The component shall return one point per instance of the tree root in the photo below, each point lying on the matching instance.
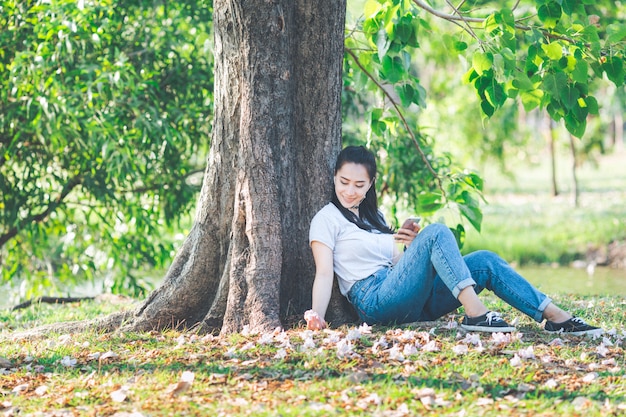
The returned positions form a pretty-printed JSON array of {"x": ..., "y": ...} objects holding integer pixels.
[
  {"x": 107, "y": 324},
  {"x": 50, "y": 300}
]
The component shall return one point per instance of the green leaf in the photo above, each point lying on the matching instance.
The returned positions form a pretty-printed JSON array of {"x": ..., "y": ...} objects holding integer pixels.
[
  {"x": 569, "y": 97},
  {"x": 555, "y": 110},
  {"x": 482, "y": 62},
  {"x": 403, "y": 30},
  {"x": 490, "y": 24},
  {"x": 581, "y": 72},
  {"x": 614, "y": 68},
  {"x": 406, "y": 93},
  {"x": 592, "y": 105},
  {"x": 474, "y": 180},
  {"x": 382, "y": 44},
  {"x": 554, "y": 83},
  {"x": 531, "y": 99},
  {"x": 495, "y": 94},
  {"x": 377, "y": 125},
  {"x": 590, "y": 35},
  {"x": 472, "y": 213},
  {"x": 487, "y": 108},
  {"x": 453, "y": 44},
  {"x": 410, "y": 94},
  {"x": 506, "y": 17},
  {"x": 550, "y": 13},
  {"x": 616, "y": 32},
  {"x": 459, "y": 235},
  {"x": 580, "y": 112},
  {"x": 429, "y": 202},
  {"x": 372, "y": 7},
  {"x": 470, "y": 76},
  {"x": 393, "y": 69},
  {"x": 553, "y": 50},
  {"x": 573, "y": 6},
  {"x": 460, "y": 46},
  {"x": 522, "y": 82},
  {"x": 574, "y": 125},
  {"x": 509, "y": 58}
]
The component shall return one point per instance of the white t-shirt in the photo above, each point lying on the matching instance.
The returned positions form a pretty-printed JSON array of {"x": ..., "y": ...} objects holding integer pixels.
[{"x": 357, "y": 253}]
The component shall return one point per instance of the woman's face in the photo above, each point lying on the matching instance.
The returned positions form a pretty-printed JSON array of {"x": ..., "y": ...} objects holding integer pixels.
[{"x": 351, "y": 184}]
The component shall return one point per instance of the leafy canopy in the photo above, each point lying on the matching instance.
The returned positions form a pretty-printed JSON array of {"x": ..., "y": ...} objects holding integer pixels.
[
  {"x": 103, "y": 109},
  {"x": 546, "y": 54},
  {"x": 105, "y": 113}
]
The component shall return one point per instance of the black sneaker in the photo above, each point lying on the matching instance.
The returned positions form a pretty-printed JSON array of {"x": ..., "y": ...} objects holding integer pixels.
[
  {"x": 489, "y": 322},
  {"x": 574, "y": 326}
]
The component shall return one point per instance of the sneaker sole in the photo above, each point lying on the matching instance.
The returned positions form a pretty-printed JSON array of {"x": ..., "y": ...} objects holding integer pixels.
[
  {"x": 484, "y": 329},
  {"x": 594, "y": 332}
]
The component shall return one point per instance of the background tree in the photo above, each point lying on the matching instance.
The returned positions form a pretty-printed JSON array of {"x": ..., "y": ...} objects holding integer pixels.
[
  {"x": 277, "y": 129},
  {"x": 104, "y": 109}
]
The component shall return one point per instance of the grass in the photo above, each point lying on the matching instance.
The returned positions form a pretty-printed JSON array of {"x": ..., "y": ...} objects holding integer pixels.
[
  {"x": 422, "y": 370},
  {"x": 525, "y": 224}
]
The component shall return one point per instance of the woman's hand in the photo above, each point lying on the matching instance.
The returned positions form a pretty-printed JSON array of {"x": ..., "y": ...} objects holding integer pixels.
[
  {"x": 314, "y": 321},
  {"x": 406, "y": 235}
]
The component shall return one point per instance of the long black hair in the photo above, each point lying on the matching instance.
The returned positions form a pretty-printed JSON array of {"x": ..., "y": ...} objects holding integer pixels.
[{"x": 369, "y": 217}]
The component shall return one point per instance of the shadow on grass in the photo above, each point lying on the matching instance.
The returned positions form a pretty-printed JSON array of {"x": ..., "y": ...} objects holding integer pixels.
[{"x": 231, "y": 376}]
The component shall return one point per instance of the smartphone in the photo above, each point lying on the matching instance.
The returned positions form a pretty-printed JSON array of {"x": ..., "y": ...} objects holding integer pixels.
[{"x": 409, "y": 223}]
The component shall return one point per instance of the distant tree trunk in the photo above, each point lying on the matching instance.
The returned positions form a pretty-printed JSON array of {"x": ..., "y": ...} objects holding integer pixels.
[
  {"x": 618, "y": 130},
  {"x": 572, "y": 145},
  {"x": 278, "y": 80},
  {"x": 552, "y": 146}
]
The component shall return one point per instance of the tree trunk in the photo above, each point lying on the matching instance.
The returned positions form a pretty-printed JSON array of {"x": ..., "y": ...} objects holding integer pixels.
[
  {"x": 572, "y": 146},
  {"x": 552, "y": 145},
  {"x": 618, "y": 130},
  {"x": 277, "y": 131}
]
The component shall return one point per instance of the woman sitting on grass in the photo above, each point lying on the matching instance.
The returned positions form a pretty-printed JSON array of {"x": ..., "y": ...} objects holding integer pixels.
[{"x": 350, "y": 238}]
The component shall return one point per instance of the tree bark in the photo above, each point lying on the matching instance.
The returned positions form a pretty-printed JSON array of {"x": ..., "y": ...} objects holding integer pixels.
[
  {"x": 277, "y": 131},
  {"x": 572, "y": 147},
  {"x": 552, "y": 145}
]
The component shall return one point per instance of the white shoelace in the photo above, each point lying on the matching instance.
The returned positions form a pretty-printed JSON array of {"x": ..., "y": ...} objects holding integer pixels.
[{"x": 494, "y": 316}]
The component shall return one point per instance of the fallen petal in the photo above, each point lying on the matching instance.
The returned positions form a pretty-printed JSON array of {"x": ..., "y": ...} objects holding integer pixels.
[
  {"x": 551, "y": 383},
  {"x": 178, "y": 388},
  {"x": 120, "y": 395},
  {"x": 187, "y": 376},
  {"x": 515, "y": 361},
  {"x": 109, "y": 355},
  {"x": 484, "y": 401},
  {"x": 20, "y": 388},
  {"x": 460, "y": 349},
  {"x": 590, "y": 377},
  {"x": 556, "y": 342}
]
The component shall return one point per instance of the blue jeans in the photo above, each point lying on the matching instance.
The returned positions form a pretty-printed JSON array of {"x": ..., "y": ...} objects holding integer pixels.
[{"x": 425, "y": 283}]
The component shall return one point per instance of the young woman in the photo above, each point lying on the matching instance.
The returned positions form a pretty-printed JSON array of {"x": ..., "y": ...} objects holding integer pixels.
[{"x": 350, "y": 238}]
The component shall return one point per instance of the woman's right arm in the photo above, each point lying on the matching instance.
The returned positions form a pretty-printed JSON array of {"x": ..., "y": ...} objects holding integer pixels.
[{"x": 323, "y": 284}]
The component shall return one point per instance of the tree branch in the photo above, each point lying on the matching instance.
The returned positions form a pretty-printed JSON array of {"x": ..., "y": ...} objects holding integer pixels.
[
  {"x": 464, "y": 19},
  {"x": 445, "y": 16},
  {"x": 158, "y": 186},
  {"x": 73, "y": 183},
  {"x": 455, "y": 19},
  {"x": 50, "y": 300},
  {"x": 404, "y": 122}
]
